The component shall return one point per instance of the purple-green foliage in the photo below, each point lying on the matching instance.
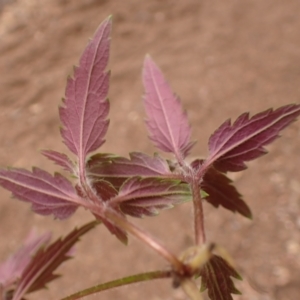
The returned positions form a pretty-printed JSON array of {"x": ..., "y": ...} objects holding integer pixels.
[{"x": 112, "y": 187}]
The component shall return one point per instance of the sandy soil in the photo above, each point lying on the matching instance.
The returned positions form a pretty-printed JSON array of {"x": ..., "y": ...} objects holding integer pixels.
[{"x": 222, "y": 58}]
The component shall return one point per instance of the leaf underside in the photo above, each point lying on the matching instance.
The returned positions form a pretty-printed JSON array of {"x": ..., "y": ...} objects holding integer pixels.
[
  {"x": 119, "y": 233},
  {"x": 117, "y": 170},
  {"x": 106, "y": 191},
  {"x": 85, "y": 109},
  {"x": 137, "y": 186},
  {"x": 12, "y": 269},
  {"x": 167, "y": 123},
  {"x": 40, "y": 270},
  {"x": 215, "y": 276},
  {"x": 221, "y": 192},
  {"x": 60, "y": 159},
  {"x": 146, "y": 196},
  {"x": 230, "y": 146},
  {"x": 48, "y": 194}
]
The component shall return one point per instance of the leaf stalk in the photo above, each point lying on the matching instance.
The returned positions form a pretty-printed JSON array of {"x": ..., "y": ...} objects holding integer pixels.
[
  {"x": 198, "y": 213},
  {"x": 118, "y": 220}
]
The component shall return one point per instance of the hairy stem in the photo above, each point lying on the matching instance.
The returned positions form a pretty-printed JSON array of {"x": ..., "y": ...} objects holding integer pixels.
[
  {"x": 120, "y": 282},
  {"x": 124, "y": 224},
  {"x": 180, "y": 159},
  {"x": 198, "y": 213},
  {"x": 118, "y": 220}
]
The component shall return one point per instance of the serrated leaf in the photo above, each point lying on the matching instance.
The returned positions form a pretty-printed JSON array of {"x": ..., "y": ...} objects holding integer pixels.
[
  {"x": 60, "y": 159},
  {"x": 85, "y": 109},
  {"x": 116, "y": 169},
  {"x": 220, "y": 191},
  {"x": 215, "y": 276},
  {"x": 146, "y": 196},
  {"x": 105, "y": 190},
  {"x": 12, "y": 269},
  {"x": 120, "y": 234},
  {"x": 231, "y": 146},
  {"x": 40, "y": 270},
  {"x": 138, "y": 212},
  {"x": 48, "y": 194},
  {"x": 166, "y": 122}
]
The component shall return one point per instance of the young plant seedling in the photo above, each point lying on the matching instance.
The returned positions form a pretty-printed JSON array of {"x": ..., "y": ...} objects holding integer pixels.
[{"x": 113, "y": 187}]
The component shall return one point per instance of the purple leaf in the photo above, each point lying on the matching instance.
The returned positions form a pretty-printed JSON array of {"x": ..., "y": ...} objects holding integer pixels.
[
  {"x": 232, "y": 145},
  {"x": 221, "y": 191},
  {"x": 104, "y": 189},
  {"x": 139, "y": 212},
  {"x": 145, "y": 196},
  {"x": 215, "y": 275},
  {"x": 120, "y": 234},
  {"x": 117, "y": 169},
  {"x": 85, "y": 110},
  {"x": 60, "y": 159},
  {"x": 12, "y": 269},
  {"x": 40, "y": 270},
  {"x": 48, "y": 194},
  {"x": 167, "y": 123}
]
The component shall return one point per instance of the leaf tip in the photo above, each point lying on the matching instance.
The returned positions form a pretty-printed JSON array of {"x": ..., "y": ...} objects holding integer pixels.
[
  {"x": 249, "y": 215},
  {"x": 148, "y": 60}
]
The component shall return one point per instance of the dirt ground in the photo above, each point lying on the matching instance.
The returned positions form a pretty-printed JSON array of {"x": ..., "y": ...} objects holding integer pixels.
[{"x": 223, "y": 58}]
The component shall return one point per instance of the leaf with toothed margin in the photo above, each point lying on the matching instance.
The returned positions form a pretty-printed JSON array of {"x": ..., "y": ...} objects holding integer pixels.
[
  {"x": 146, "y": 196},
  {"x": 48, "y": 194},
  {"x": 116, "y": 169},
  {"x": 215, "y": 276},
  {"x": 220, "y": 191},
  {"x": 231, "y": 146},
  {"x": 60, "y": 159},
  {"x": 119, "y": 233},
  {"x": 139, "y": 212},
  {"x": 13, "y": 268},
  {"x": 167, "y": 123},
  {"x": 39, "y": 271},
  {"x": 85, "y": 109},
  {"x": 104, "y": 189}
]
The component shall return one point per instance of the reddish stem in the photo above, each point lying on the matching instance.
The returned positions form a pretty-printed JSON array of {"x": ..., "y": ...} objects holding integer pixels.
[
  {"x": 121, "y": 222},
  {"x": 124, "y": 224}
]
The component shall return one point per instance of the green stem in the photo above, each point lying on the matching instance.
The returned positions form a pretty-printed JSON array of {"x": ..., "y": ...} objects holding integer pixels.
[{"x": 119, "y": 282}]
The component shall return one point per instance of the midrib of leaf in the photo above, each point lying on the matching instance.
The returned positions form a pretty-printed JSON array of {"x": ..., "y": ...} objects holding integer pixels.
[
  {"x": 22, "y": 289},
  {"x": 67, "y": 197},
  {"x": 81, "y": 154},
  {"x": 147, "y": 167},
  {"x": 215, "y": 280},
  {"x": 129, "y": 197},
  {"x": 248, "y": 137},
  {"x": 165, "y": 115}
]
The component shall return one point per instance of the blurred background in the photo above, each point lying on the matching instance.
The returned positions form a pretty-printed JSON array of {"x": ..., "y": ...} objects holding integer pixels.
[{"x": 222, "y": 58}]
